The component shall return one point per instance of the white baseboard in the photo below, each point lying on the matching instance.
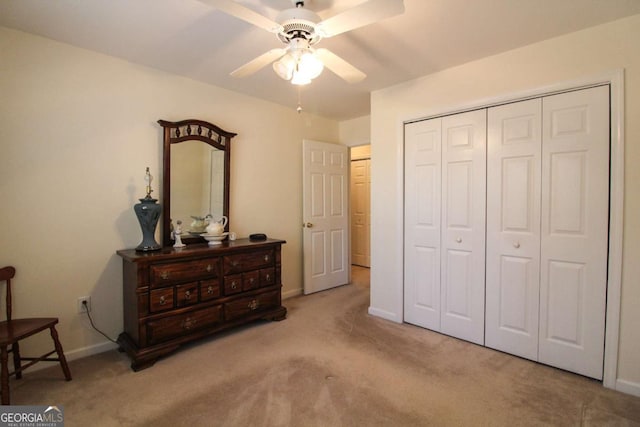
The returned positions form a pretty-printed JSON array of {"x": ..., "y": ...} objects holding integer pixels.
[
  {"x": 628, "y": 387},
  {"x": 384, "y": 314},
  {"x": 79, "y": 354},
  {"x": 292, "y": 293}
]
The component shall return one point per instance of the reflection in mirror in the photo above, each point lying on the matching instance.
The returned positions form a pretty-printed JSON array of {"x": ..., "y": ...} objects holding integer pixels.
[{"x": 197, "y": 182}]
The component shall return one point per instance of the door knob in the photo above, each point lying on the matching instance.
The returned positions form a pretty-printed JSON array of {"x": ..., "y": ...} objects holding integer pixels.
[
  {"x": 516, "y": 245},
  {"x": 459, "y": 240},
  {"x": 307, "y": 224}
]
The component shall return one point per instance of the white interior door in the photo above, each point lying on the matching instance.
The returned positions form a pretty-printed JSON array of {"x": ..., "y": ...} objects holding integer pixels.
[
  {"x": 360, "y": 208},
  {"x": 445, "y": 169},
  {"x": 463, "y": 225},
  {"x": 575, "y": 209},
  {"x": 514, "y": 149},
  {"x": 422, "y": 194},
  {"x": 325, "y": 214}
]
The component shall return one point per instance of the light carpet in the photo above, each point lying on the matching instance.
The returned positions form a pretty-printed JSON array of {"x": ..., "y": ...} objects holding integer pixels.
[{"x": 328, "y": 364}]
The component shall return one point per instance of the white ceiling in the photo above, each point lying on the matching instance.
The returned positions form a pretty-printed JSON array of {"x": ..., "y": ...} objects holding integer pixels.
[{"x": 190, "y": 38}]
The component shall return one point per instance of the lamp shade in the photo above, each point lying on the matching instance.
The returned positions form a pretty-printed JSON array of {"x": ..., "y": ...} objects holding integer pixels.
[
  {"x": 300, "y": 79},
  {"x": 299, "y": 65},
  {"x": 310, "y": 65},
  {"x": 284, "y": 66}
]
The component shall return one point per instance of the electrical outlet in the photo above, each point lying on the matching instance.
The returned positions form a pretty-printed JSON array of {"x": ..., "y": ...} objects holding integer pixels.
[{"x": 81, "y": 305}]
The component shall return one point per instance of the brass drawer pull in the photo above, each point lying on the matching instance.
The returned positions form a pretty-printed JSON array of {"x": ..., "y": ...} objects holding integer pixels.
[
  {"x": 187, "y": 295},
  {"x": 163, "y": 301},
  {"x": 253, "y": 305},
  {"x": 268, "y": 277},
  {"x": 164, "y": 275},
  {"x": 210, "y": 290},
  {"x": 209, "y": 268},
  {"x": 266, "y": 258},
  {"x": 189, "y": 323},
  {"x": 234, "y": 285},
  {"x": 251, "y": 280}
]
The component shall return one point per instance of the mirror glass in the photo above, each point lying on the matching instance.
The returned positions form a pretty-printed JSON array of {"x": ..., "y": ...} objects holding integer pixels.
[{"x": 197, "y": 183}]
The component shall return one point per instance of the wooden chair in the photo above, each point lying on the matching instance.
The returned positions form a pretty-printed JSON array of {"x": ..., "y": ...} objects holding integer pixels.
[{"x": 14, "y": 330}]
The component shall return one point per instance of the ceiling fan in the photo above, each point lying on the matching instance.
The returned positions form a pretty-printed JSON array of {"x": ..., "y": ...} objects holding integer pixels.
[{"x": 300, "y": 29}]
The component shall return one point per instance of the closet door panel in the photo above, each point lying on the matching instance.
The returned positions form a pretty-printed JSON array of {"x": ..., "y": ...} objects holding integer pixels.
[
  {"x": 463, "y": 225},
  {"x": 422, "y": 223},
  {"x": 513, "y": 227},
  {"x": 575, "y": 202}
]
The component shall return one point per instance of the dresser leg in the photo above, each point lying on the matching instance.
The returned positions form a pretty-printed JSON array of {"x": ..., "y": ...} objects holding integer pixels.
[
  {"x": 139, "y": 366},
  {"x": 279, "y": 315}
]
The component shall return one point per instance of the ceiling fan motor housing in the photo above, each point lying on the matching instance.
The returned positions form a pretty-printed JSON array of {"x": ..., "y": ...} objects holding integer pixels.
[{"x": 298, "y": 23}]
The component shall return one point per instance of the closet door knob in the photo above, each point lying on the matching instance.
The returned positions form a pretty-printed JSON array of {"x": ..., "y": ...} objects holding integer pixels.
[
  {"x": 516, "y": 245},
  {"x": 459, "y": 240}
]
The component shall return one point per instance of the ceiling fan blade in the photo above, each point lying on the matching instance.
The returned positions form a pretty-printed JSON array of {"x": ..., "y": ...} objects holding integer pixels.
[
  {"x": 258, "y": 63},
  {"x": 232, "y": 8},
  {"x": 363, "y": 14},
  {"x": 339, "y": 66}
]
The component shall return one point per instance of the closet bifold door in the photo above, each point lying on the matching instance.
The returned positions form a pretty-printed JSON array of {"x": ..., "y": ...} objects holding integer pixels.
[
  {"x": 574, "y": 244},
  {"x": 422, "y": 194},
  {"x": 547, "y": 229},
  {"x": 514, "y": 149},
  {"x": 445, "y": 184},
  {"x": 462, "y": 280}
]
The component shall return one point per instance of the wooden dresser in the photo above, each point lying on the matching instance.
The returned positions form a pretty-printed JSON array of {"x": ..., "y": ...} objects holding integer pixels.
[{"x": 174, "y": 296}]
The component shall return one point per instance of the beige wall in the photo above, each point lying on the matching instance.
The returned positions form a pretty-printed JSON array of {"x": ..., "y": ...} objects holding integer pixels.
[
  {"x": 356, "y": 131},
  {"x": 77, "y": 130},
  {"x": 575, "y": 56}
]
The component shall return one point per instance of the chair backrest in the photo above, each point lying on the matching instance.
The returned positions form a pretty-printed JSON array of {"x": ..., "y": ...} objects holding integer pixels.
[{"x": 6, "y": 274}]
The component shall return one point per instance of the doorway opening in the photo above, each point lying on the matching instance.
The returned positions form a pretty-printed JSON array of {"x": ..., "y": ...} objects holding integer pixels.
[{"x": 360, "y": 212}]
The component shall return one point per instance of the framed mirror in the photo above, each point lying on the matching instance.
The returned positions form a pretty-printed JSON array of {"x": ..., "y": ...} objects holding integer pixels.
[{"x": 196, "y": 162}]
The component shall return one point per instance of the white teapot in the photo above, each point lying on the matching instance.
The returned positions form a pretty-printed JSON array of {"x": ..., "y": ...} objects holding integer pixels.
[{"x": 216, "y": 228}]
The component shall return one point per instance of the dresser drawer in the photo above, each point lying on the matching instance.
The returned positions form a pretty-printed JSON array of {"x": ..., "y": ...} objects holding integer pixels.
[
  {"x": 232, "y": 284},
  {"x": 256, "y": 303},
  {"x": 163, "y": 274},
  {"x": 161, "y": 299},
  {"x": 251, "y": 261},
  {"x": 177, "y": 325},
  {"x": 267, "y": 276},
  {"x": 186, "y": 294},
  {"x": 250, "y": 280},
  {"x": 209, "y": 289}
]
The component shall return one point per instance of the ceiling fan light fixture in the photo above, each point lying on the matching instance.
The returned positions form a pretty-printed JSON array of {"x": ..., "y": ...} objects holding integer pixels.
[
  {"x": 310, "y": 65},
  {"x": 299, "y": 65},
  {"x": 285, "y": 66},
  {"x": 300, "y": 79}
]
